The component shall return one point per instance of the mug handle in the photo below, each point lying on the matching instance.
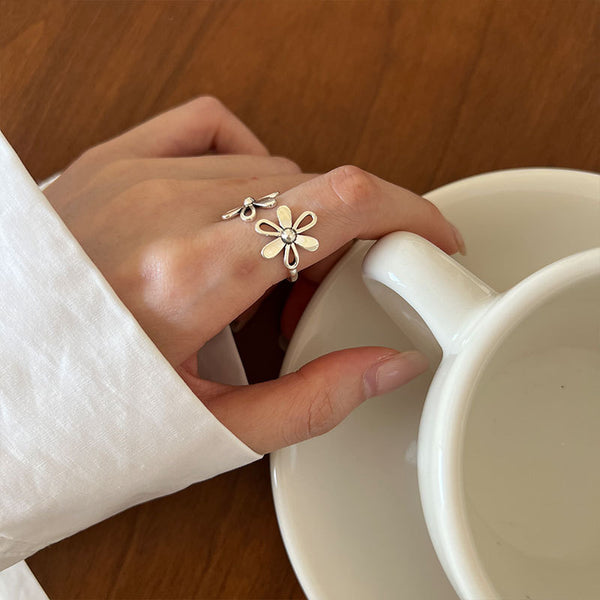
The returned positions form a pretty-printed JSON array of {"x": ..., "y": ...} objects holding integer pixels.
[{"x": 433, "y": 298}]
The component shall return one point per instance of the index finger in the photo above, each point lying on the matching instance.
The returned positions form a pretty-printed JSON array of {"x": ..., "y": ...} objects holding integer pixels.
[
  {"x": 349, "y": 203},
  {"x": 225, "y": 259}
]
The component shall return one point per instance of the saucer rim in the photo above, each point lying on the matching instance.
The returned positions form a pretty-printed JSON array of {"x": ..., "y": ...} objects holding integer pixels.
[{"x": 437, "y": 196}]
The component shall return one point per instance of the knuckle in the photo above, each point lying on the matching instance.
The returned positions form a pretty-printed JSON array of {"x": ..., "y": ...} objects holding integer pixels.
[
  {"x": 156, "y": 266},
  {"x": 157, "y": 276},
  {"x": 91, "y": 155},
  {"x": 210, "y": 103},
  {"x": 353, "y": 187}
]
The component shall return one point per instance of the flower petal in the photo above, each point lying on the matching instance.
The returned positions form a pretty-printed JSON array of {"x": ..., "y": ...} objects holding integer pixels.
[
  {"x": 231, "y": 213},
  {"x": 267, "y": 201},
  {"x": 272, "y": 248},
  {"x": 276, "y": 230},
  {"x": 284, "y": 214},
  {"x": 286, "y": 257},
  {"x": 307, "y": 242},
  {"x": 248, "y": 213},
  {"x": 311, "y": 223}
]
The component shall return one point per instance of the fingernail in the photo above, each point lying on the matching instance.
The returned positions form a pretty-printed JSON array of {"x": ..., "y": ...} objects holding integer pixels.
[
  {"x": 458, "y": 238},
  {"x": 393, "y": 372}
]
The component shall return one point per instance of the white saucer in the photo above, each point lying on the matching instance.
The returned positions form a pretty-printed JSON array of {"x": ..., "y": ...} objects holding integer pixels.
[{"x": 348, "y": 503}]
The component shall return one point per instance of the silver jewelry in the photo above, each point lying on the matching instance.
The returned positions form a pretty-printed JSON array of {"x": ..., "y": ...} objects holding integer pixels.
[
  {"x": 288, "y": 237},
  {"x": 247, "y": 211}
]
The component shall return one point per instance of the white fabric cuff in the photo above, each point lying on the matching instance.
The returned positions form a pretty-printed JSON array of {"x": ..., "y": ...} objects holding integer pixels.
[{"x": 93, "y": 419}]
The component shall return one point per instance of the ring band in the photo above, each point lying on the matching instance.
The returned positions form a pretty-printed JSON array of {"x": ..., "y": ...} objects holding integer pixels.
[
  {"x": 247, "y": 211},
  {"x": 288, "y": 237}
]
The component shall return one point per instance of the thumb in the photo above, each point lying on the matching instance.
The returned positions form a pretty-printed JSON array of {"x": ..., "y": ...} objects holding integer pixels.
[{"x": 312, "y": 400}]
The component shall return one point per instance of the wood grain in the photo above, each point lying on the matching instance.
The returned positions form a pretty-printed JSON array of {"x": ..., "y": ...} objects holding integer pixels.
[{"x": 418, "y": 92}]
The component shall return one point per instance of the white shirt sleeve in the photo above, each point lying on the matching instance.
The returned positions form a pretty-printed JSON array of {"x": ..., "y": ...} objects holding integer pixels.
[{"x": 93, "y": 419}]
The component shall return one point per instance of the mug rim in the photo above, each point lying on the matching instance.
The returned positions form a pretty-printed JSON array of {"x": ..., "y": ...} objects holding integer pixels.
[
  {"x": 448, "y": 403},
  {"x": 563, "y": 179}
]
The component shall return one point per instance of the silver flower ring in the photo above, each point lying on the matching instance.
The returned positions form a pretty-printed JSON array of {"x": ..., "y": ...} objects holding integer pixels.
[
  {"x": 288, "y": 237},
  {"x": 247, "y": 211}
]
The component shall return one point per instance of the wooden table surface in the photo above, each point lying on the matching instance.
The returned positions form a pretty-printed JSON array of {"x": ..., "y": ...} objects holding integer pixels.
[{"x": 419, "y": 92}]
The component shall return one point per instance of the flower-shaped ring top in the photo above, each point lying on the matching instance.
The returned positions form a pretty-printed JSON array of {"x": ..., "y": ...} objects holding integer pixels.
[
  {"x": 288, "y": 237},
  {"x": 247, "y": 211}
]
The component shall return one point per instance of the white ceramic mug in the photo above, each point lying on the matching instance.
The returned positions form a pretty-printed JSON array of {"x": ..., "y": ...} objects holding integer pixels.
[{"x": 509, "y": 441}]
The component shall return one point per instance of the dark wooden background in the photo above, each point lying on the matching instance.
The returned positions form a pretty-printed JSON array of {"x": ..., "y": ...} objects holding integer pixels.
[{"x": 419, "y": 92}]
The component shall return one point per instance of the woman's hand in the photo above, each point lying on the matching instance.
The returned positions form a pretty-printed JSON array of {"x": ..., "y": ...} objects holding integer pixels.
[{"x": 146, "y": 207}]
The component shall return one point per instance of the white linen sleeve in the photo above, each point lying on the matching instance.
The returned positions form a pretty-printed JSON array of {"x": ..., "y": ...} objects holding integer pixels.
[{"x": 93, "y": 419}]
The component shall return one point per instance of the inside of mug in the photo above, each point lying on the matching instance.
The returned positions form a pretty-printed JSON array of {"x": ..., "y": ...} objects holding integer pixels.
[{"x": 531, "y": 453}]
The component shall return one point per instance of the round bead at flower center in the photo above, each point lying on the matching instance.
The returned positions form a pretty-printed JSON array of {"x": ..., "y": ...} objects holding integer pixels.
[{"x": 288, "y": 235}]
